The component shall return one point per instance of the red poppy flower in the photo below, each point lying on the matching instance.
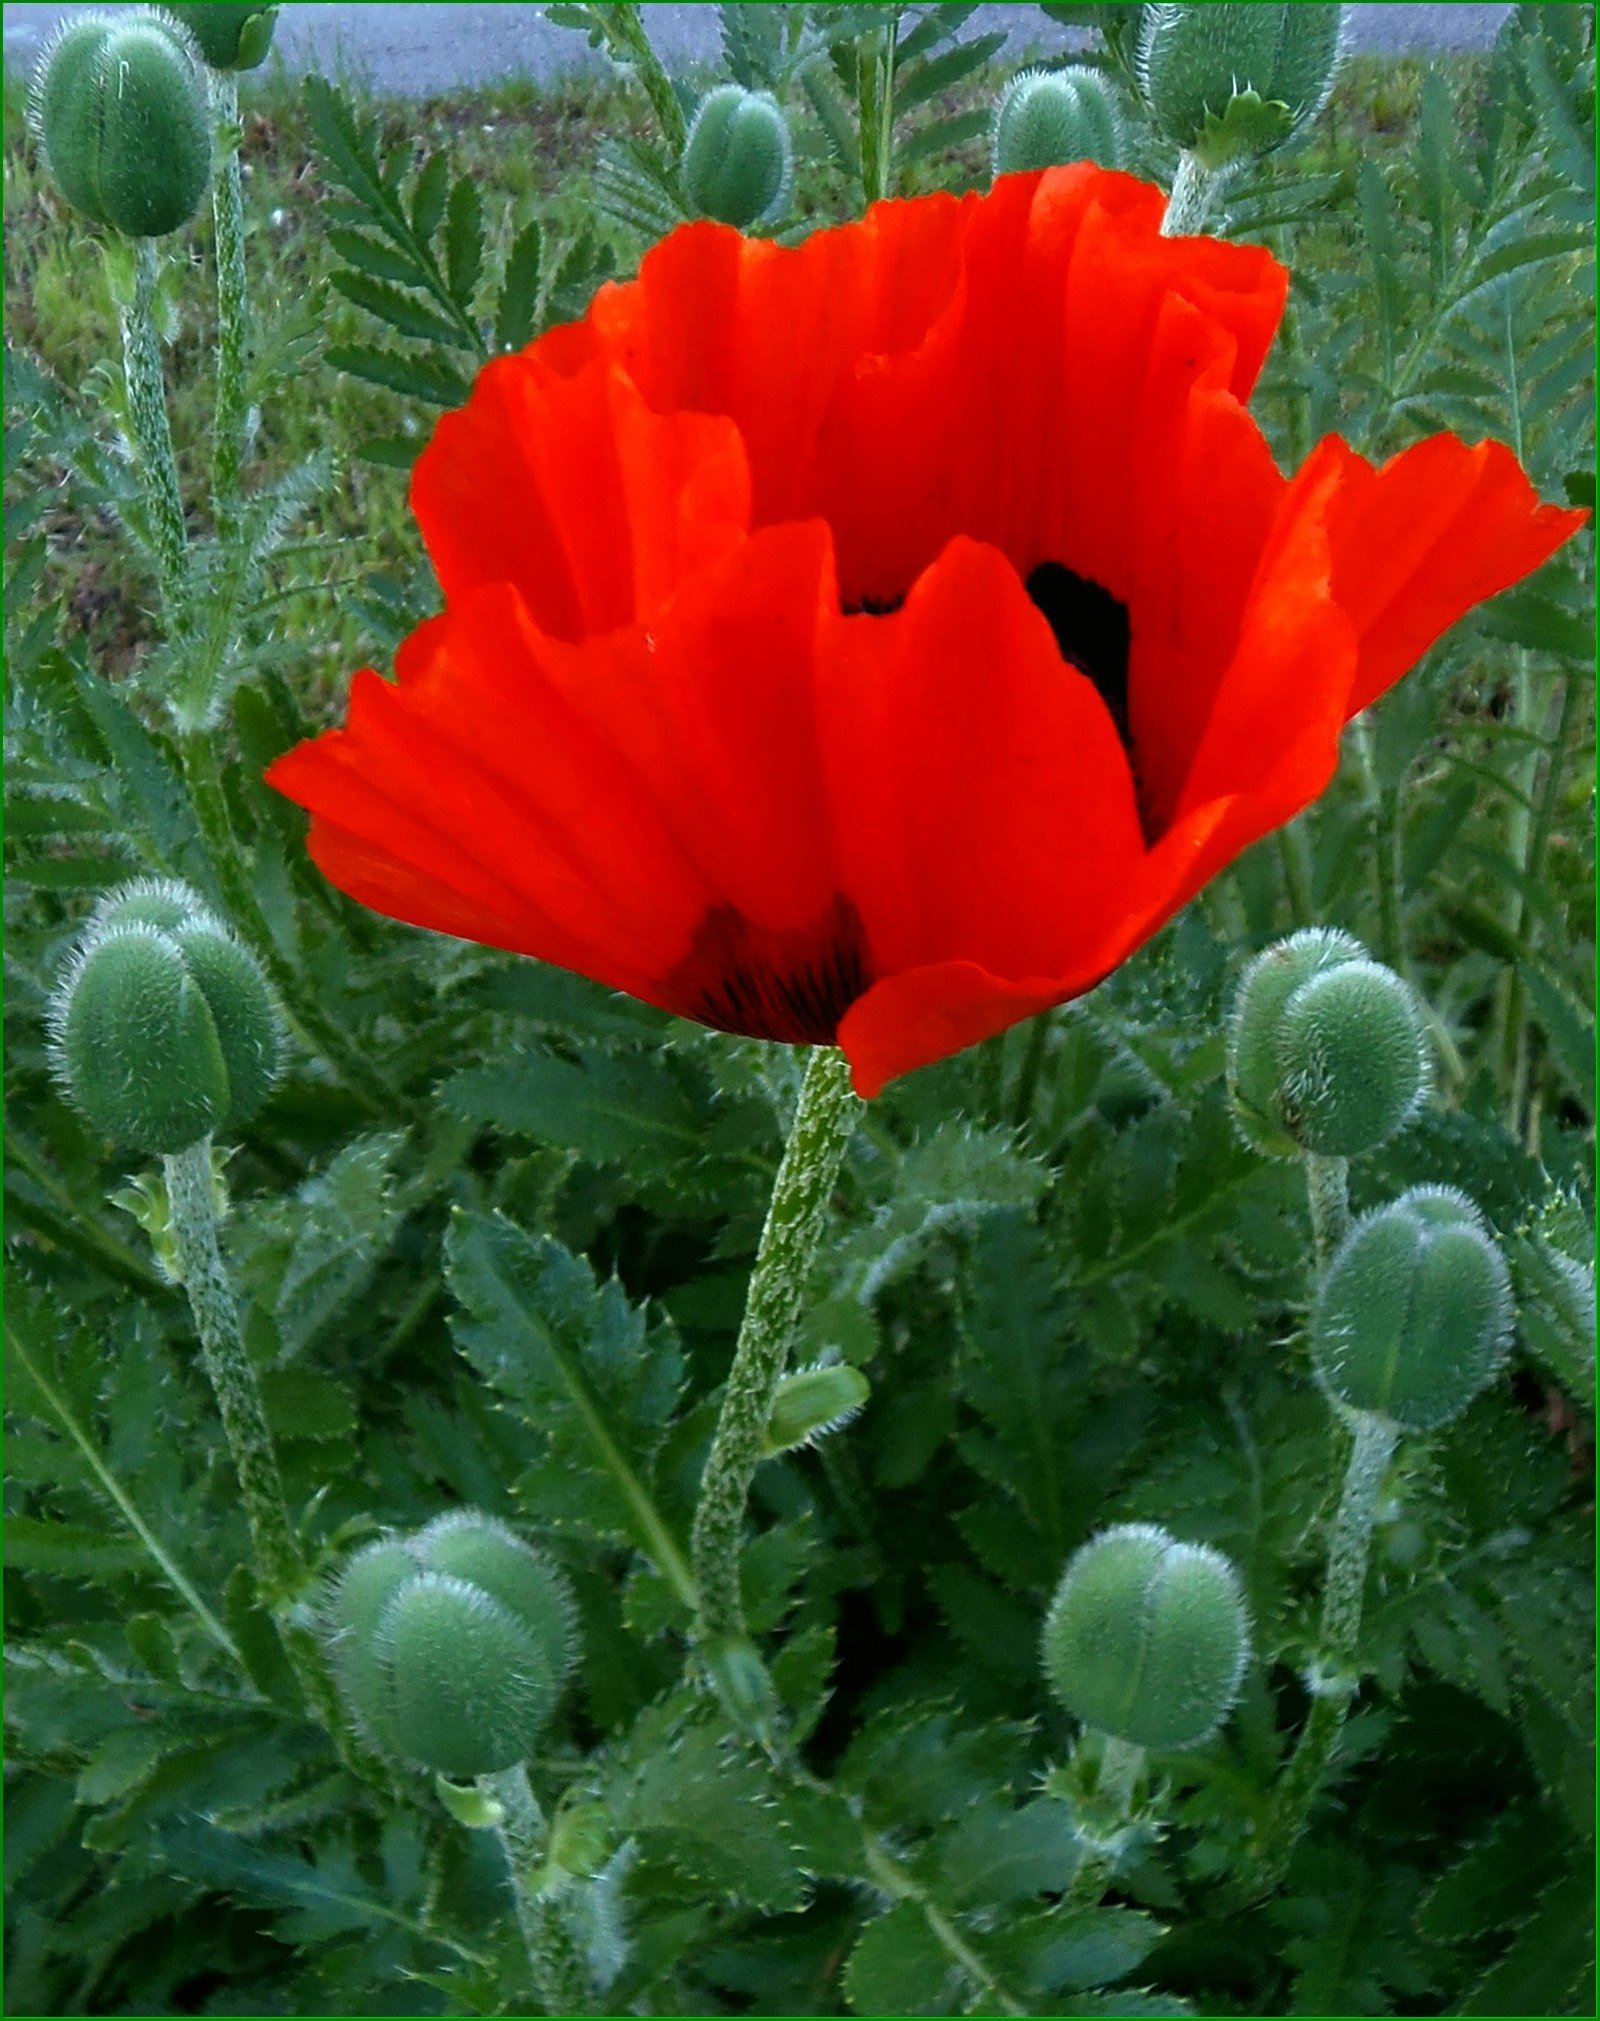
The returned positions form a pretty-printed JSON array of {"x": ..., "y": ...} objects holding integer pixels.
[{"x": 875, "y": 640}]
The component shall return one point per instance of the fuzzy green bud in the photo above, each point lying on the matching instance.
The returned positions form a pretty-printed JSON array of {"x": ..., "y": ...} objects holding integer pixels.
[
  {"x": 1048, "y": 116},
  {"x": 737, "y": 159},
  {"x": 232, "y": 34},
  {"x": 1147, "y": 1638},
  {"x": 491, "y": 1555},
  {"x": 1351, "y": 1055},
  {"x": 120, "y": 114},
  {"x": 1413, "y": 1316},
  {"x": 812, "y": 1402},
  {"x": 164, "y": 1029},
  {"x": 1228, "y": 82},
  {"x": 1326, "y": 1051},
  {"x": 368, "y": 1582},
  {"x": 451, "y": 1647}
]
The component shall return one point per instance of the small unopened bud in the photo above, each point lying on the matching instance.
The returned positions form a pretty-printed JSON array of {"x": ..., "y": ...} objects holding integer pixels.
[
  {"x": 456, "y": 1672},
  {"x": 1326, "y": 1051},
  {"x": 736, "y": 160},
  {"x": 1413, "y": 1316},
  {"x": 1050, "y": 116},
  {"x": 1147, "y": 1638},
  {"x": 491, "y": 1555},
  {"x": 1228, "y": 82},
  {"x": 164, "y": 1029},
  {"x": 740, "y": 1680},
  {"x": 812, "y": 1402},
  {"x": 232, "y": 34},
  {"x": 1353, "y": 1064},
  {"x": 120, "y": 114}
]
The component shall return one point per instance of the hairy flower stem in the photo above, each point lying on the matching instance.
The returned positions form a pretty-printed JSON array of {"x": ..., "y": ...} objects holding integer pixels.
[
  {"x": 1331, "y": 1678},
  {"x": 1194, "y": 189},
  {"x": 191, "y": 1198},
  {"x": 154, "y": 459},
  {"x": 795, "y": 1220},
  {"x": 559, "y": 1977},
  {"x": 1327, "y": 1189},
  {"x": 231, "y": 426},
  {"x": 280, "y": 1566}
]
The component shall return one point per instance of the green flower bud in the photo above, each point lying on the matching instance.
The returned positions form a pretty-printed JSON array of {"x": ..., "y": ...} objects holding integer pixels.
[
  {"x": 232, "y": 34},
  {"x": 1050, "y": 116},
  {"x": 811, "y": 1402},
  {"x": 741, "y": 1682},
  {"x": 475, "y": 1547},
  {"x": 467, "y": 1687},
  {"x": 120, "y": 113},
  {"x": 355, "y": 1605},
  {"x": 1352, "y": 1060},
  {"x": 163, "y": 1034},
  {"x": 736, "y": 160},
  {"x": 148, "y": 901},
  {"x": 1413, "y": 1316},
  {"x": 1230, "y": 81},
  {"x": 1325, "y": 1049},
  {"x": 456, "y": 1670},
  {"x": 1147, "y": 1638}
]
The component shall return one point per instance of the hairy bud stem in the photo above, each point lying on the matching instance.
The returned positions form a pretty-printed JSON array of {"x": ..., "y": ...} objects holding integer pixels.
[{"x": 794, "y": 1225}]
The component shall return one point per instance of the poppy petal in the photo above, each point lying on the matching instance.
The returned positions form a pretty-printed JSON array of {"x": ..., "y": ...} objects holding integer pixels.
[
  {"x": 1018, "y": 420},
  {"x": 712, "y": 708},
  {"x": 475, "y": 771},
  {"x": 722, "y": 324},
  {"x": 982, "y": 802},
  {"x": 1422, "y": 539},
  {"x": 593, "y": 505},
  {"x": 925, "y": 1014}
]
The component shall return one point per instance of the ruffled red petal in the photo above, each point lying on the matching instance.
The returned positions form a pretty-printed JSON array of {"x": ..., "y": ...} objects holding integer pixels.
[
  {"x": 651, "y": 744},
  {"x": 592, "y": 504},
  {"x": 982, "y": 804}
]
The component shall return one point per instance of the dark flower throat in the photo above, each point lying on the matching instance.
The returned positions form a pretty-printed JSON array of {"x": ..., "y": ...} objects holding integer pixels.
[{"x": 796, "y": 986}]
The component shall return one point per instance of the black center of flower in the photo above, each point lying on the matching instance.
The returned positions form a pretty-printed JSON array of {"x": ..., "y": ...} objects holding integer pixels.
[
  {"x": 1091, "y": 631},
  {"x": 873, "y": 606},
  {"x": 767, "y": 984}
]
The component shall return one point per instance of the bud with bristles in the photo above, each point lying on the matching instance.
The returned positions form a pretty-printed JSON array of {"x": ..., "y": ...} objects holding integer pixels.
[
  {"x": 1228, "y": 82},
  {"x": 1045, "y": 117},
  {"x": 1413, "y": 1316},
  {"x": 736, "y": 160},
  {"x": 451, "y": 1647},
  {"x": 164, "y": 1029},
  {"x": 1326, "y": 1052},
  {"x": 120, "y": 113},
  {"x": 1147, "y": 1638}
]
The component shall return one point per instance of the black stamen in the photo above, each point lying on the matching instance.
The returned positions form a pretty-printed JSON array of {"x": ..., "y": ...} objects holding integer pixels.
[
  {"x": 873, "y": 606},
  {"x": 1091, "y": 629},
  {"x": 795, "y": 986}
]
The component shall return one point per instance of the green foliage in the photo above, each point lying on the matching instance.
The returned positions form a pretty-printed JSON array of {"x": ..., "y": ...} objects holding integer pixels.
[
  {"x": 413, "y": 248},
  {"x": 509, "y": 1275}
]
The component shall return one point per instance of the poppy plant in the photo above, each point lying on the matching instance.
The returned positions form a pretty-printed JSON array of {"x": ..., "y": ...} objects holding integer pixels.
[{"x": 874, "y": 640}]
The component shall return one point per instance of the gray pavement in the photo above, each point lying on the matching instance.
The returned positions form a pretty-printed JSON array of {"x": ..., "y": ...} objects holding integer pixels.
[{"x": 419, "y": 49}]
